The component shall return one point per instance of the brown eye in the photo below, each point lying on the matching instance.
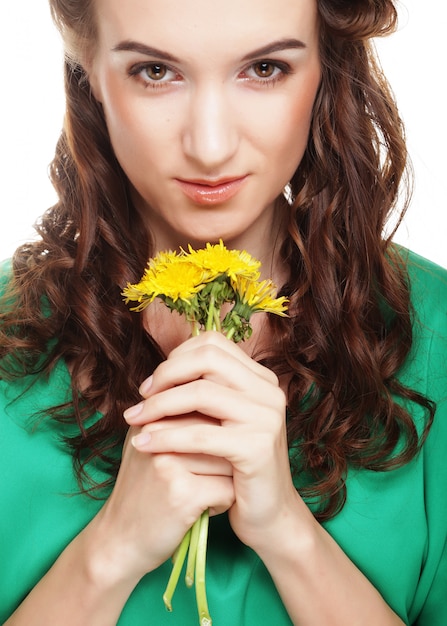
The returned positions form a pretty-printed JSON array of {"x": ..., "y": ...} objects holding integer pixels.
[
  {"x": 264, "y": 69},
  {"x": 155, "y": 71}
]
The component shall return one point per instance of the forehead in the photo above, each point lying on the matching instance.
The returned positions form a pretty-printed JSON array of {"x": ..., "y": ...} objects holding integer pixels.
[{"x": 205, "y": 25}]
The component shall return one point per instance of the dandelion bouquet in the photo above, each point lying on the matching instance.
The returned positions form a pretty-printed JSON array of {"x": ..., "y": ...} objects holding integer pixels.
[{"x": 197, "y": 284}]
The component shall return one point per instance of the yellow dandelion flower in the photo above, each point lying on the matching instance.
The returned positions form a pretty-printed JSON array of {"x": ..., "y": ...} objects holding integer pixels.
[
  {"x": 259, "y": 296},
  {"x": 217, "y": 259},
  {"x": 167, "y": 257},
  {"x": 179, "y": 281},
  {"x": 168, "y": 276}
]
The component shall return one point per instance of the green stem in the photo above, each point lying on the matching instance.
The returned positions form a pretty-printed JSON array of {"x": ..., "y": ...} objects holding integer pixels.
[
  {"x": 230, "y": 333},
  {"x": 175, "y": 555},
  {"x": 192, "y": 553},
  {"x": 216, "y": 321},
  {"x": 196, "y": 538},
  {"x": 211, "y": 311},
  {"x": 176, "y": 569},
  {"x": 202, "y": 603}
]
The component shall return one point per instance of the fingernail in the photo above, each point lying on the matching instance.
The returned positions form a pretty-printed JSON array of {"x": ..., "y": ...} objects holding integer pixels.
[
  {"x": 141, "y": 440},
  {"x": 133, "y": 411},
  {"x": 145, "y": 386}
]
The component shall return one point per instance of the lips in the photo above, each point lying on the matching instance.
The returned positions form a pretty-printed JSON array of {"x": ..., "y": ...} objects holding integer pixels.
[{"x": 211, "y": 191}]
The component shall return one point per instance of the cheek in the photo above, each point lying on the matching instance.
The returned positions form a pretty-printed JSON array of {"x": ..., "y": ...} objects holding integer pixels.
[
  {"x": 286, "y": 144},
  {"x": 136, "y": 134},
  {"x": 118, "y": 113},
  {"x": 128, "y": 120},
  {"x": 295, "y": 129},
  {"x": 289, "y": 139}
]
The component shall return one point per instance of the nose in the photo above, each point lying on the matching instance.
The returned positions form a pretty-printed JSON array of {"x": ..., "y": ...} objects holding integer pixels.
[{"x": 211, "y": 136}]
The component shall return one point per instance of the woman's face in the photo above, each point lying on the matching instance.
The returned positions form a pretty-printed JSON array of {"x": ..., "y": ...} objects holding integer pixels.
[{"x": 208, "y": 105}]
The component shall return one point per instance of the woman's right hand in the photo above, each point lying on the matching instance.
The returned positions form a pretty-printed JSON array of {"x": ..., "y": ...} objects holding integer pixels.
[{"x": 155, "y": 500}]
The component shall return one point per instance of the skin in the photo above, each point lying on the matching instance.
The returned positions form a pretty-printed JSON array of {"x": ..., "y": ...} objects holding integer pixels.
[
  {"x": 210, "y": 430},
  {"x": 212, "y": 113}
]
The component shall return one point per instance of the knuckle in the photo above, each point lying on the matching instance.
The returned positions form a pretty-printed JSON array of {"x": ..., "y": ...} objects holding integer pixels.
[
  {"x": 209, "y": 353},
  {"x": 201, "y": 391},
  {"x": 210, "y": 338},
  {"x": 164, "y": 465},
  {"x": 179, "y": 494}
]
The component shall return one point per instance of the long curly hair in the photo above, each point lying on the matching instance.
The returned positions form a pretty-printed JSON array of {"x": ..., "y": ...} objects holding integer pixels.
[{"x": 350, "y": 324}]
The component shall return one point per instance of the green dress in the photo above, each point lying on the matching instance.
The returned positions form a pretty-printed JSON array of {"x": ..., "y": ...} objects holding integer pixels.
[{"x": 393, "y": 526}]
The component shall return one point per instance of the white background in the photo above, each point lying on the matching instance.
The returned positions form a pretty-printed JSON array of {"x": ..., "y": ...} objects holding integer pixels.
[{"x": 32, "y": 106}]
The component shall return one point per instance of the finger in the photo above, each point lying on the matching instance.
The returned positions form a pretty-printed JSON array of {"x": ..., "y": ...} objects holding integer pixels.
[
  {"x": 209, "y": 399},
  {"x": 185, "y": 490},
  {"x": 199, "y": 464},
  {"x": 207, "y": 465},
  {"x": 194, "y": 463},
  {"x": 211, "y": 356},
  {"x": 175, "y": 422},
  {"x": 252, "y": 447},
  {"x": 215, "y": 493}
]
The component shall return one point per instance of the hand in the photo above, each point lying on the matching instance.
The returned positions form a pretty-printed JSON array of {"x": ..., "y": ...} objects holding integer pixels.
[
  {"x": 211, "y": 376},
  {"x": 156, "y": 499}
]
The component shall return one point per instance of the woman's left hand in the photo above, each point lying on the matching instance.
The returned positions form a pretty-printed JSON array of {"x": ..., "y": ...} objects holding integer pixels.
[{"x": 211, "y": 376}]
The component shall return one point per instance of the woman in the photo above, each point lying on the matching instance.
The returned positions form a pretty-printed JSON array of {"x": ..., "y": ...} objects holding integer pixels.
[{"x": 185, "y": 121}]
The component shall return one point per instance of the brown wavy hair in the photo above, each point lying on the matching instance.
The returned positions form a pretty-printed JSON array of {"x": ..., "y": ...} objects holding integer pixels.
[{"x": 350, "y": 324}]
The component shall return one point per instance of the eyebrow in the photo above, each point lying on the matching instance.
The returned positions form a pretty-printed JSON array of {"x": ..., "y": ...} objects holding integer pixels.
[
  {"x": 134, "y": 46},
  {"x": 276, "y": 46}
]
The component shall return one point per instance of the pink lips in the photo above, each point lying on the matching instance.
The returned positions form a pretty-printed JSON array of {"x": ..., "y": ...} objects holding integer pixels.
[{"x": 211, "y": 192}]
